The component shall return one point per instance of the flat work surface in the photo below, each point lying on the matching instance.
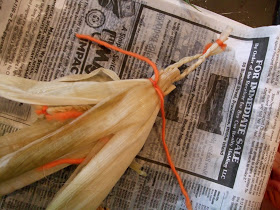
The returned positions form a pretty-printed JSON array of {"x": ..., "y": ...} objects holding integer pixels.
[{"x": 254, "y": 13}]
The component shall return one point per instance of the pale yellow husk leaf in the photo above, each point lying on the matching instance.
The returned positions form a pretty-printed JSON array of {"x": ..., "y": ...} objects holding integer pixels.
[
  {"x": 66, "y": 91},
  {"x": 34, "y": 175},
  {"x": 91, "y": 186}
]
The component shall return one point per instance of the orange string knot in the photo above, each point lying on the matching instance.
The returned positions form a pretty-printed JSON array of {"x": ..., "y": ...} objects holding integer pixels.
[{"x": 219, "y": 42}]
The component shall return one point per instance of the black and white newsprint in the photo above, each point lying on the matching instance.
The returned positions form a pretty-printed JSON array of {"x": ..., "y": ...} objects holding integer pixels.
[{"x": 223, "y": 120}]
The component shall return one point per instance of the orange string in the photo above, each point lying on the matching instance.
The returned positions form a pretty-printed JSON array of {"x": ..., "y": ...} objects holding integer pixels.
[
  {"x": 59, "y": 116},
  {"x": 43, "y": 111},
  {"x": 62, "y": 116},
  {"x": 207, "y": 47},
  {"x": 161, "y": 97},
  {"x": 135, "y": 55},
  {"x": 59, "y": 162},
  {"x": 171, "y": 164},
  {"x": 219, "y": 42}
]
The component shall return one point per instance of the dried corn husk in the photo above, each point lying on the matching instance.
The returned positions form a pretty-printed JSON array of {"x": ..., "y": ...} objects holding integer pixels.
[
  {"x": 14, "y": 141},
  {"x": 71, "y": 90},
  {"x": 34, "y": 175},
  {"x": 123, "y": 110}
]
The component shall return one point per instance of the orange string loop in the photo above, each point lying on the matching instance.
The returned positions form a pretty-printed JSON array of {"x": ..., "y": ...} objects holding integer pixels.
[{"x": 135, "y": 55}]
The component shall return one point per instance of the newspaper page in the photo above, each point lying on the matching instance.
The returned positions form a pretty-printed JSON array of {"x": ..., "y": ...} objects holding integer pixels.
[{"x": 223, "y": 120}]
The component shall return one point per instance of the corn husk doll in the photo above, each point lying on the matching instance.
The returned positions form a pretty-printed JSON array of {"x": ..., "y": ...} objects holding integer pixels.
[{"x": 96, "y": 120}]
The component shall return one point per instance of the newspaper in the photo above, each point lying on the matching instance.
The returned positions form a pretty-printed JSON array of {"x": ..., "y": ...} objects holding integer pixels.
[{"x": 223, "y": 120}]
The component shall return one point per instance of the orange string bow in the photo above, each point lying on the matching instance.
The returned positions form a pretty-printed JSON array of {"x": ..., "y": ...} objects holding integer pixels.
[{"x": 161, "y": 97}]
